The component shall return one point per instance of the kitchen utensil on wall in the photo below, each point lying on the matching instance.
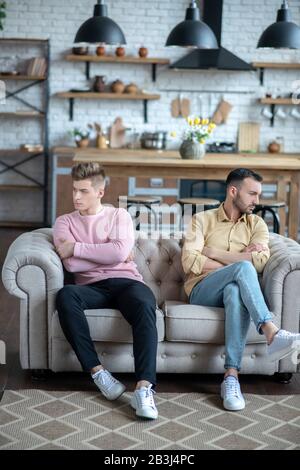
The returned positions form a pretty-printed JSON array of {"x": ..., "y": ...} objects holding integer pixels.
[
  {"x": 175, "y": 107},
  {"x": 222, "y": 112},
  {"x": 99, "y": 83},
  {"x": 117, "y": 134},
  {"x": 185, "y": 106},
  {"x": 180, "y": 107},
  {"x": 248, "y": 137}
]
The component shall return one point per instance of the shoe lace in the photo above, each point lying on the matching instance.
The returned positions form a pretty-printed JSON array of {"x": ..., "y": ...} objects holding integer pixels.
[
  {"x": 145, "y": 397},
  {"x": 232, "y": 388},
  {"x": 107, "y": 379}
]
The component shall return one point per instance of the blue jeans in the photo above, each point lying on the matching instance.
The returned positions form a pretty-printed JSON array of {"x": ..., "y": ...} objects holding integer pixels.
[{"x": 236, "y": 288}]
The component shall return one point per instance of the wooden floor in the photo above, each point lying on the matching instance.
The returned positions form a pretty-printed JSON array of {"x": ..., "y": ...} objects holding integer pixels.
[{"x": 13, "y": 377}]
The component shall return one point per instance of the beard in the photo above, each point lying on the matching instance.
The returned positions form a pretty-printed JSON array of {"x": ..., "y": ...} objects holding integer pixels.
[{"x": 242, "y": 207}]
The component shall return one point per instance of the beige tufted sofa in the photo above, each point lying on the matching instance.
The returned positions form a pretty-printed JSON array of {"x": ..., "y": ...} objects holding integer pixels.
[{"x": 191, "y": 338}]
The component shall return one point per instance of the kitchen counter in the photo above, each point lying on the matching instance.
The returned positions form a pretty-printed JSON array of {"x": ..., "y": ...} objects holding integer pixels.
[{"x": 281, "y": 169}]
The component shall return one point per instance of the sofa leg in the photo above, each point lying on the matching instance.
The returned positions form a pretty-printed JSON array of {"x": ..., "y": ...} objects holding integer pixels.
[
  {"x": 283, "y": 377},
  {"x": 39, "y": 374}
]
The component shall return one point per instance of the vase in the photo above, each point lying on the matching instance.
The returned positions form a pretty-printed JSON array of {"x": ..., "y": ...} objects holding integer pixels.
[
  {"x": 82, "y": 143},
  {"x": 192, "y": 150}
]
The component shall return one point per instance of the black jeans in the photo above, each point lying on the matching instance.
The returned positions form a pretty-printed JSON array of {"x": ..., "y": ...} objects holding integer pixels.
[{"x": 137, "y": 304}]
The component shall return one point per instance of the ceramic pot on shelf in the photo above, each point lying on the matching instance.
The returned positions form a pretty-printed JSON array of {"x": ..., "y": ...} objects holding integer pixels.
[
  {"x": 99, "y": 83},
  {"x": 192, "y": 150},
  {"x": 100, "y": 50},
  {"x": 82, "y": 143},
  {"x": 143, "y": 51},
  {"x": 117, "y": 86},
  {"x": 120, "y": 51}
]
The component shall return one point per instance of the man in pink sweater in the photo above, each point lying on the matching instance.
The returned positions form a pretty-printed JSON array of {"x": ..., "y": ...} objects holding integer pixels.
[{"x": 95, "y": 242}]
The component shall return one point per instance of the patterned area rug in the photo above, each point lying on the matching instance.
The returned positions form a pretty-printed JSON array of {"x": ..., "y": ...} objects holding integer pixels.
[{"x": 36, "y": 419}]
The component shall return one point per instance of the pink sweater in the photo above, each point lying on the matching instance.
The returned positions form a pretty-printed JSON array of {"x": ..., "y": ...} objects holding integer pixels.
[{"x": 102, "y": 244}]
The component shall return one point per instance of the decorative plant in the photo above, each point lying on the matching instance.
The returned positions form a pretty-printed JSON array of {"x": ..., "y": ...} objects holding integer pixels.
[
  {"x": 80, "y": 133},
  {"x": 198, "y": 129},
  {"x": 2, "y": 14}
]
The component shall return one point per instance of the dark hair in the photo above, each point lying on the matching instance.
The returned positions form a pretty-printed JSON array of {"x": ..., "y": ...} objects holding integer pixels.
[
  {"x": 89, "y": 170},
  {"x": 238, "y": 175}
]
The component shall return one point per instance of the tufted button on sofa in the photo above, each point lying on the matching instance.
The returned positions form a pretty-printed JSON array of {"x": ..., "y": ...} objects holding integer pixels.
[{"x": 191, "y": 338}]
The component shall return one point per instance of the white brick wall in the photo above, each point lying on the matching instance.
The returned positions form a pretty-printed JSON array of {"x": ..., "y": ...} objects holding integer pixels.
[{"x": 149, "y": 24}]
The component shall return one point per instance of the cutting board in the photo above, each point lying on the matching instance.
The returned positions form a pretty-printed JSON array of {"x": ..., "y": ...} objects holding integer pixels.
[{"x": 248, "y": 138}]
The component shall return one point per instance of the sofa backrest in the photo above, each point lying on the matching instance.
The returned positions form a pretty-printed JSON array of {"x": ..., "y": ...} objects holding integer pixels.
[{"x": 159, "y": 261}]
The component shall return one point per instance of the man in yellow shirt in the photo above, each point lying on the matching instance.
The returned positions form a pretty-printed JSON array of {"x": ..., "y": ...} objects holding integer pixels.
[{"x": 224, "y": 250}]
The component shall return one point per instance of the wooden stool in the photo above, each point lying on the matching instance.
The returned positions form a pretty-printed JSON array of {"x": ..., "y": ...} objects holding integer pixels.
[
  {"x": 141, "y": 201},
  {"x": 269, "y": 205},
  {"x": 205, "y": 202}
]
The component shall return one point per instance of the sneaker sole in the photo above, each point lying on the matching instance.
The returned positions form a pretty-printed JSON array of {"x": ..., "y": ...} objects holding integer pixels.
[
  {"x": 143, "y": 416},
  {"x": 240, "y": 408},
  {"x": 281, "y": 355},
  {"x": 114, "y": 397}
]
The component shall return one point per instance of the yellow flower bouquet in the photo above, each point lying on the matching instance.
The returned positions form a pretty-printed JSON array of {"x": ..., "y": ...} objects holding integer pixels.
[
  {"x": 194, "y": 137},
  {"x": 198, "y": 129}
]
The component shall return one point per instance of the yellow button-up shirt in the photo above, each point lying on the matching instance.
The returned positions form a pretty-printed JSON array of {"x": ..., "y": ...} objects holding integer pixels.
[{"x": 213, "y": 229}]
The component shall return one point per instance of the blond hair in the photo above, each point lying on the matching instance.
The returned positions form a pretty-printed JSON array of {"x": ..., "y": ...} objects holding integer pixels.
[{"x": 89, "y": 170}]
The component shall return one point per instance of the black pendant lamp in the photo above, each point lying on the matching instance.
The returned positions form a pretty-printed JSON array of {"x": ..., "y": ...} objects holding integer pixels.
[
  {"x": 192, "y": 32},
  {"x": 282, "y": 34},
  {"x": 99, "y": 29}
]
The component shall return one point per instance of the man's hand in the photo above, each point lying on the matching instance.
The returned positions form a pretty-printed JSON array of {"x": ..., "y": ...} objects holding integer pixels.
[
  {"x": 65, "y": 249},
  {"x": 209, "y": 252},
  {"x": 255, "y": 247},
  {"x": 130, "y": 257}
]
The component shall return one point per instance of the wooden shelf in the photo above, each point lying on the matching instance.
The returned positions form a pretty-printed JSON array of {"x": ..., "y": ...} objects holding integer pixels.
[
  {"x": 88, "y": 59},
  {"x": 276, "y": 101},
  {"x": 4, "y": 76},
  {"x": 22, "y": 114},
  {"x": 23, "y": 40},
  {"x": 107, "y": 96},
  {"x": 279, "y": 101},
  {"x": 111, "y": 59},
  {"x": 275, "y": 65},
  {"x": 19, "y": 187},
  {"x": 71, "y": 96},
  {"x": 16, "y": 152}
]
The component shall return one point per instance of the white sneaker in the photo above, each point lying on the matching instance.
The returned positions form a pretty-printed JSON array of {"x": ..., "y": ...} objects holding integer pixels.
[
  {"x": 233, "y": 399},
  {"x": 143, "y": 403},
  {"x": 110, "y": 387},
  {"x": 284, "y": 343}
]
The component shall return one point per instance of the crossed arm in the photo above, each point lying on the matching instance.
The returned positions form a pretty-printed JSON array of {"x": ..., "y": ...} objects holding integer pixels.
[
  {"x": 198, "y": 258},
  {"x": 217, "y": 258},
  {"x": 82, "y": 257}
]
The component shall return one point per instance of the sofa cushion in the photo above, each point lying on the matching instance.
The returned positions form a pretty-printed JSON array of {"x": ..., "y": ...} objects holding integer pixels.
[
  {"x": 107, "y": 324},
  {"x": 199, "y": 324}
]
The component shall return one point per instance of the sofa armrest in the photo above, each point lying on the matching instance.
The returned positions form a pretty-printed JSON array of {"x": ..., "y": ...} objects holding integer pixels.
[
  {"x": 32, "y": 249},
  {"x": 34, "y": 272},
  {"x": 281, "y": 282}
]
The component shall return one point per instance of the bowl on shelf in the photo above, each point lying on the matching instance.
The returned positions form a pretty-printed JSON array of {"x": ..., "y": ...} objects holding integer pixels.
[{"x": 132, "y": 89}]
